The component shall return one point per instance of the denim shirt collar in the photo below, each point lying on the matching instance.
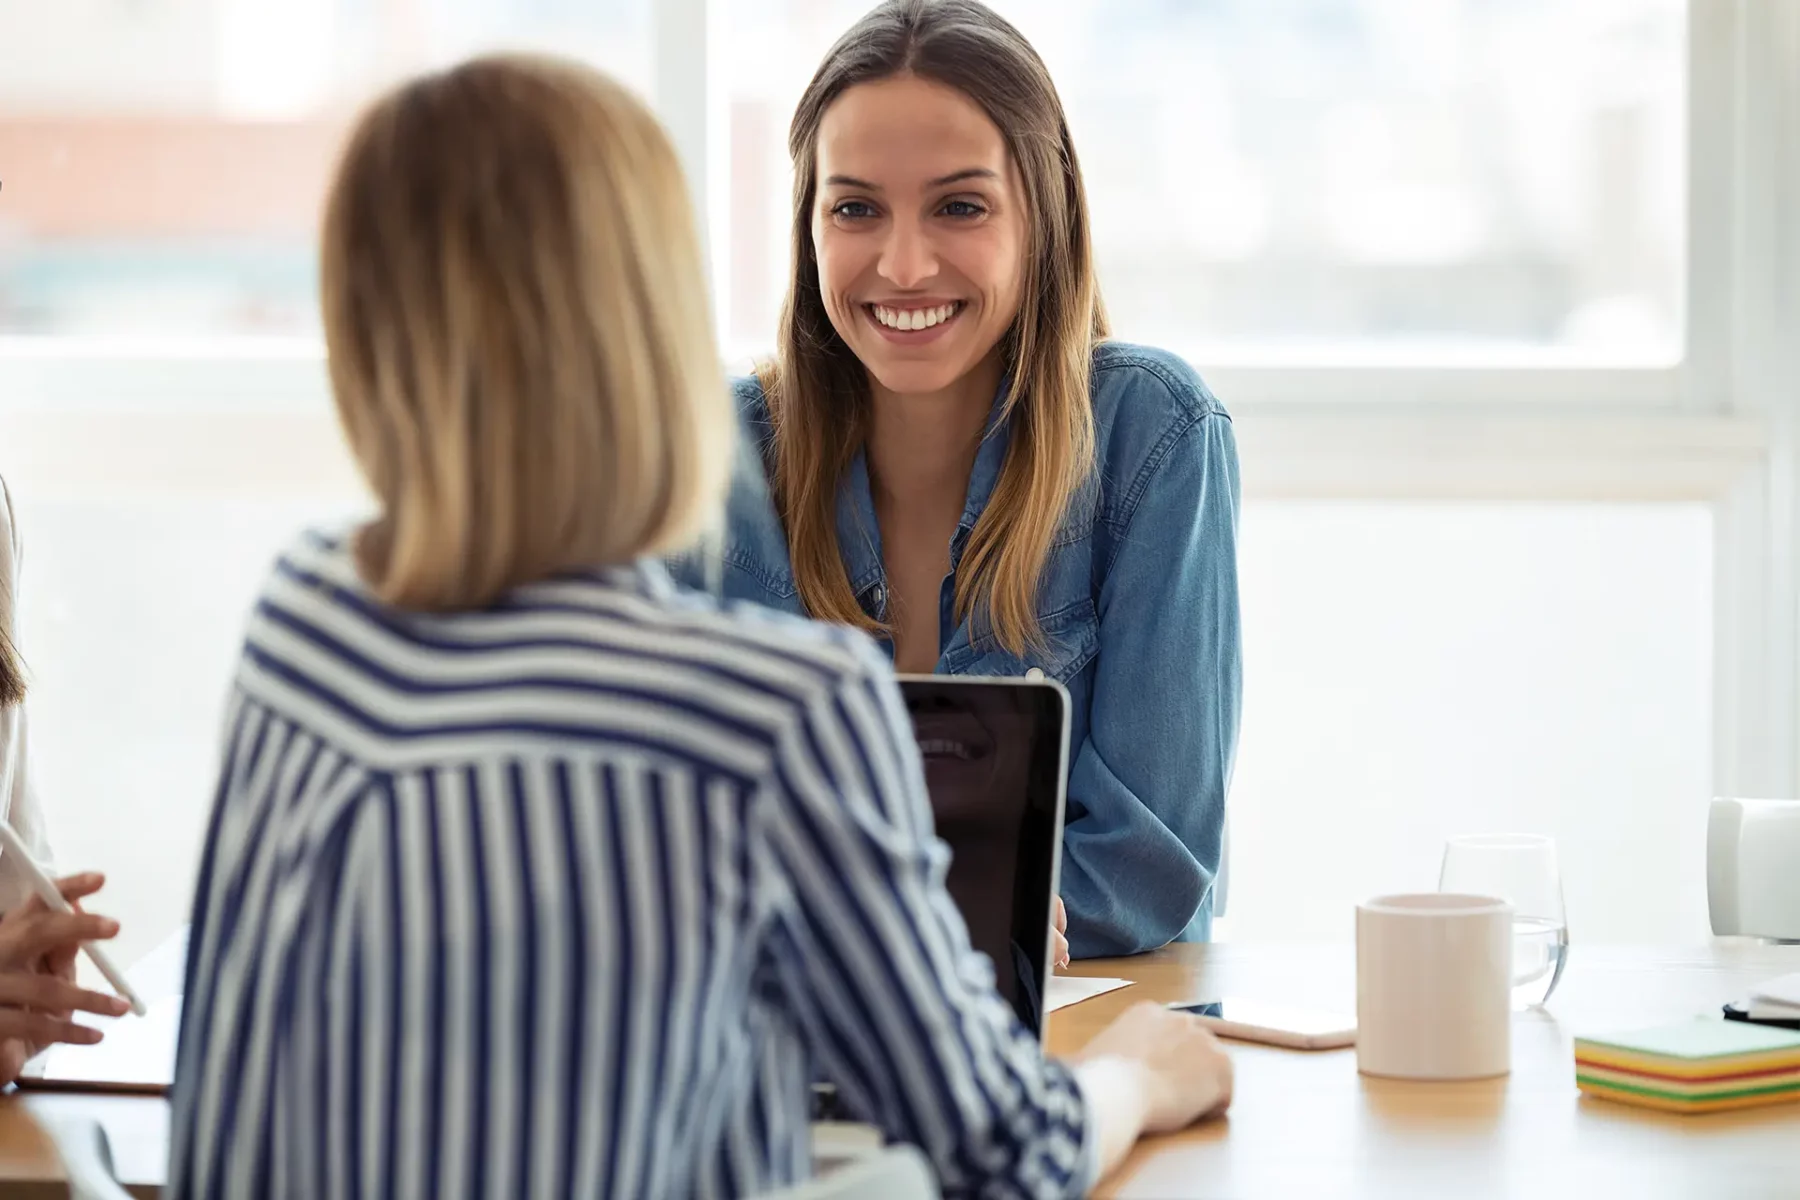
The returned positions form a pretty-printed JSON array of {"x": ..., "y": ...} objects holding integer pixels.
[{"x": 859, "y": 534}]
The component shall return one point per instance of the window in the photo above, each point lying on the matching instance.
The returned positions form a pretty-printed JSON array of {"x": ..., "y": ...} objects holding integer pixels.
[
  {"x": 1322, "y": 178},
  {"x": 166, "y": 177},
  {"x": 1499, "y": 295}
]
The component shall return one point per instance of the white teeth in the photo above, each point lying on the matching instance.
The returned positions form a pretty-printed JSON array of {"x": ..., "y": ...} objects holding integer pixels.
[{"x": 914, "y": 318}]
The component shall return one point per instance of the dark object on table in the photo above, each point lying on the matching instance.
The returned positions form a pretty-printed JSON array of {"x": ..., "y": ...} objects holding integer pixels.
[{"x": 1737, "y": 1012}]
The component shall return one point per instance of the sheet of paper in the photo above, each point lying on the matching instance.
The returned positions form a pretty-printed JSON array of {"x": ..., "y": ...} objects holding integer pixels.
[
  {"x": 1783, "y": 991},
  {"x": 1766, "y": 1010},
  {"x": 1064, "y": 990}
]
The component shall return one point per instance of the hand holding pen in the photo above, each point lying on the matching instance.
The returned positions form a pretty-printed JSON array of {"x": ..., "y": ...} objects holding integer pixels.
[
  {"x": 52, "y": 895},
  {"x": 38, "y": 994}
]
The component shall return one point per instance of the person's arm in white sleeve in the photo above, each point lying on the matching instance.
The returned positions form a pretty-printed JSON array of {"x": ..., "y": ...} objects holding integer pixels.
[{"x": 16, "y": 792}]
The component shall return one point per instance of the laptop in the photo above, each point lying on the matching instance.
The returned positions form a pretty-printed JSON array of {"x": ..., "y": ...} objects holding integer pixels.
[{"x": 996, "y": 764}]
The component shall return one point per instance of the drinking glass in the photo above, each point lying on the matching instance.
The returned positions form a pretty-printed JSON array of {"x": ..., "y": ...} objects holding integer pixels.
[{"x": 1521, "y": 870}]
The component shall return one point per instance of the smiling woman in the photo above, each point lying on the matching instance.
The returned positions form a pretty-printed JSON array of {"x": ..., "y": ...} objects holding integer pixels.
[
  {"x": 912, "y": 207},
  {"x": 956, "y": 459},
  {"x": 909, "y": 257}
]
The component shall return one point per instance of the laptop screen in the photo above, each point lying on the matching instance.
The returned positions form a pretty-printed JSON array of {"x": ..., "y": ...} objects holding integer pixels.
[{"x": 995, "y": 756}]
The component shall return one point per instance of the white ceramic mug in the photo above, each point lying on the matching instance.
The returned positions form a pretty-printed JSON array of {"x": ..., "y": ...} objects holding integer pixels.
[
  {"x": 1434, "y": 987},
  {"x": 1753, "y": 868}
]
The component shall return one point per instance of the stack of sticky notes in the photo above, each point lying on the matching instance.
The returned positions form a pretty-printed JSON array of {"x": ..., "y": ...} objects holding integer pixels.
[{"x": 1706, "y": 1064}]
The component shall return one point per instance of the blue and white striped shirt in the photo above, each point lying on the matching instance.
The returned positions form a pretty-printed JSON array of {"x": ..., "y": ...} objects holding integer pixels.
[{"x": 575, "y": 896}]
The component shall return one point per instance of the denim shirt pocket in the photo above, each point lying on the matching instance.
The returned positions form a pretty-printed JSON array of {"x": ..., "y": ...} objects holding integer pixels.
[{"x": 1070, "y": 639}]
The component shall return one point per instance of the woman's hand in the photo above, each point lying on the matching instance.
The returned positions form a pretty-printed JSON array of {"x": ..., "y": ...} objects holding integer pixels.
[
  {"x": 1059, "y": 928},
  {"x": 1185, "y": 1073},
  {"x": 38, "y": 995},
  {"x": 1153, "y": 1070}
]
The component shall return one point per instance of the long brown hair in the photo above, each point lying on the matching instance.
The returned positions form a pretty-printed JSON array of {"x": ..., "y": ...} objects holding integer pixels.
[
  {"x": 519, "y": 341},
  {"x": 818, "y": 391}
]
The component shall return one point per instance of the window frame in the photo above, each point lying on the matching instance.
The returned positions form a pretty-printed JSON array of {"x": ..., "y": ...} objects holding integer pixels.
[{"x": 1722, "y": 425}]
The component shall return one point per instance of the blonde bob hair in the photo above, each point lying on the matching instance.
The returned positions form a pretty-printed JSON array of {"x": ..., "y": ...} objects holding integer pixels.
[{"x": 517, "y": 324}]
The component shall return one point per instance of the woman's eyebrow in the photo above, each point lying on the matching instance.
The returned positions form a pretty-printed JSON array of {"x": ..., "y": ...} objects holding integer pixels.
[
  {"x": 965, "y": 173},
  {"x": 851, "y": 181}
]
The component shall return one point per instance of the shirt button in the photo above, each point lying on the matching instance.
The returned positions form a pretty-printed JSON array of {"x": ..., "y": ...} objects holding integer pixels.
[{"x": 1034, "y": 673}]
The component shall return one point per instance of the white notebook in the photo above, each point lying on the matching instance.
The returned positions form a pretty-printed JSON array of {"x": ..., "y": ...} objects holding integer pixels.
[{"x": 1778, "y": 999}]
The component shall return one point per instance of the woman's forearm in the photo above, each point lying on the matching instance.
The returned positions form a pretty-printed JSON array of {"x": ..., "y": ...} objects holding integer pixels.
[{"x": 1117, "y": 1105}]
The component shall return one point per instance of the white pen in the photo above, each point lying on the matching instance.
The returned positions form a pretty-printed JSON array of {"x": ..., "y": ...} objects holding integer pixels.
[{"x": 12, "y": 847}]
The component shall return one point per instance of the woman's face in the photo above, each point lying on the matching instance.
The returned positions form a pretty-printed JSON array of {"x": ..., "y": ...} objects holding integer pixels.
[{"x": 919, "y": 227}]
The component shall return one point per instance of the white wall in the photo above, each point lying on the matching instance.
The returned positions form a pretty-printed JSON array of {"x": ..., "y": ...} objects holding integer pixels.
[
  {"x": 1415, "y": 671},
  {"x": 147, "y": 535},
  {"x": 130, "y": 623}
]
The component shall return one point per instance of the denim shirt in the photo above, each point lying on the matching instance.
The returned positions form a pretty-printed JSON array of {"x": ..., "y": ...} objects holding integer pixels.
[{"x": 1139, "y": 609}]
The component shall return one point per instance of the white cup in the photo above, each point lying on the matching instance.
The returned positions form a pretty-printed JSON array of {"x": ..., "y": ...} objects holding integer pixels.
[
  {"x": 1434, "y": 987},
  {"x": 1752, "y": 888}
]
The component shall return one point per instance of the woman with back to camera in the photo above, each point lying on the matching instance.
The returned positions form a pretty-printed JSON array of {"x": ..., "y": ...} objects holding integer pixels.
[
  {"x": 955, "y": 459},
  {"x": 529, "y": 874}
]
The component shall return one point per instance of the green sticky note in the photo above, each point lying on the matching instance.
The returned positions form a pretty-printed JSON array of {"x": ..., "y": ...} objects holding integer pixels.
[{"x": 1698, "y": 1039}]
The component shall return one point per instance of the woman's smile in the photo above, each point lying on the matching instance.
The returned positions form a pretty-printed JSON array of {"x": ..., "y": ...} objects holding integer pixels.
[{"x": 912, "y": 323}]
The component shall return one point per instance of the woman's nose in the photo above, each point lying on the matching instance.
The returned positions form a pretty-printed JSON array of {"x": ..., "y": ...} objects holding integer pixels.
[{"x": 908, "y": 258}]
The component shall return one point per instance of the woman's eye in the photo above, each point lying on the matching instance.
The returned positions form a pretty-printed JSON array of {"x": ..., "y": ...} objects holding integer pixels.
[
  {"x": 963, "y": 208},
  {"x": 854, "y": 210}
]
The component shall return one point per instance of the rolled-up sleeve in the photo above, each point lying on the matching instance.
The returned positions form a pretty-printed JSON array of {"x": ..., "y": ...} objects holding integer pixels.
[
  {"x": 1150, "y": 778},
  {"x": 876, "y": 966}
]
